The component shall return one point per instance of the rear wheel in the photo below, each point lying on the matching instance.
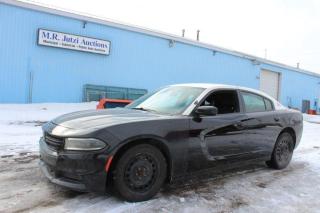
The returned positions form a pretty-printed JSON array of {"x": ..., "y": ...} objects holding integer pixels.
[
  {"x": 282, "y": 152},
  {"x": 140, "y": 173}
]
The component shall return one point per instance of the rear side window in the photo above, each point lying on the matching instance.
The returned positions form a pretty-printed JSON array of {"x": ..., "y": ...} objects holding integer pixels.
[
  {"x": 269, "y": 106},
  {"x": 253, "y": 102}
]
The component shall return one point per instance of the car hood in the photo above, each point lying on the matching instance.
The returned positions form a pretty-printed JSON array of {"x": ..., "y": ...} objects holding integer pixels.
[{"x": 102, "y": 118}]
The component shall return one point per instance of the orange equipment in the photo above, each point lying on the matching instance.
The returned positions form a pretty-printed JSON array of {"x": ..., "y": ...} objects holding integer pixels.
[
  {"x": 112, "y": 103},
  {"x": 312, "y": 112}
]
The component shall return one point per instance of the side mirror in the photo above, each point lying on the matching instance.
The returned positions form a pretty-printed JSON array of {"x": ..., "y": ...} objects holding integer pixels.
[{"x": 207, "y": 110}]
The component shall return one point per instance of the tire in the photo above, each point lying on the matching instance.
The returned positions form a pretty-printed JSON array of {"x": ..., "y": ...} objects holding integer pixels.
[
  {"x": 139, "y": 173},
  {"x": 282, "y": 152}
]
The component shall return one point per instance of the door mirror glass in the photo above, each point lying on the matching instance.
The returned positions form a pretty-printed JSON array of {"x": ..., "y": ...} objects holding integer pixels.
[{"x": 207, "y": 110}]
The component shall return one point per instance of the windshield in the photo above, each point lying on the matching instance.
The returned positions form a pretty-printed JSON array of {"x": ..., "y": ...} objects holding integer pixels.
[{"x": 170, "y": 100}]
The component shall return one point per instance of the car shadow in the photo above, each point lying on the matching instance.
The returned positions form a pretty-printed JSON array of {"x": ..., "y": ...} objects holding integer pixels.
[{"x": 203, "y": 179}]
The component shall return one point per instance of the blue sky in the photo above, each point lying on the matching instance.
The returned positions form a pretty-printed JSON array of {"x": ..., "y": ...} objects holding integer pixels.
[{"x": 288, "y": 29}]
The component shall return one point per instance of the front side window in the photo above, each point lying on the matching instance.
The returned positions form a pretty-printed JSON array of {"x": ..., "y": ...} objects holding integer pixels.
[
  {"x": 170, "y": 100},
  {"x": 253, "y": 102},
  {"x": 226, "y": 101}
]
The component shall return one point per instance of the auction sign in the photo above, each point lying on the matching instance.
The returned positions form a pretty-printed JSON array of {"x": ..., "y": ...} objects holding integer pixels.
[{"x": 73, "y": 42}]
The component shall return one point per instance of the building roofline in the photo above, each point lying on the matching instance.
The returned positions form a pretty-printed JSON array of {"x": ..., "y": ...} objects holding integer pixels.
[{"x": 99, "y": 20}]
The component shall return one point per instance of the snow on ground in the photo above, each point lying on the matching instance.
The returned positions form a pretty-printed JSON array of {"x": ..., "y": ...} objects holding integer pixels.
[
  {"x": 20, "y": 124},
  {"x": 251, "y": 189},
  {"x": 312, "y": 118}
]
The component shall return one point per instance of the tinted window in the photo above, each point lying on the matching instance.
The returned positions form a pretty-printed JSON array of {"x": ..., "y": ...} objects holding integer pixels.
[
  {"x": 269, "y": 106},
  {"x": 253, "y": 103}
]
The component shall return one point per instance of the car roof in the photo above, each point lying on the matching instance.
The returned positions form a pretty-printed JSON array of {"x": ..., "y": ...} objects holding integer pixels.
[
  {"x": 210, "y": 86},
  {"x": 207, "y": 85}
]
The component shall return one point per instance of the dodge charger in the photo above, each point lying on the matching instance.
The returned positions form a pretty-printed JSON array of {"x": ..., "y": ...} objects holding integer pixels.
[{"x": 165, "y": 136}]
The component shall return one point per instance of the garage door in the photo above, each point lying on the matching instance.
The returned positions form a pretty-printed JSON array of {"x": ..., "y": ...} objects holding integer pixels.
[{"x": 269, "y": 83}]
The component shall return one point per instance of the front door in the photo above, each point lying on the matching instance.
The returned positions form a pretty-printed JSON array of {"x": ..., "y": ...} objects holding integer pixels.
[{"x": 220, "y": 137}]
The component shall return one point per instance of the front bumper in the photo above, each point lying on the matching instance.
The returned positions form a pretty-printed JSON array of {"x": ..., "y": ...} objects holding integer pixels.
[
  {"x": 78, "y": 171},
  {"x": 50, "y": 174}
]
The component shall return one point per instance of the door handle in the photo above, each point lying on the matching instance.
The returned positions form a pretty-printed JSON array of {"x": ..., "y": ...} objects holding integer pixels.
[{"x": 276, "y": 119}]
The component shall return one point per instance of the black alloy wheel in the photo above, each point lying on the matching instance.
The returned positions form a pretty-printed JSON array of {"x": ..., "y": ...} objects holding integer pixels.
[
  {"x": 283, "y": 151},
  {"x": 140, "y": 173}
]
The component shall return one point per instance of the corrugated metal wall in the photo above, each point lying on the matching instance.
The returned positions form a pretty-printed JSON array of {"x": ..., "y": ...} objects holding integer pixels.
[{"x": 136, "y": 60}]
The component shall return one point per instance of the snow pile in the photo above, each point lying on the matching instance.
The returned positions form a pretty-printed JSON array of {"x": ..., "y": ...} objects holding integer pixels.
[
  {"x": 20, "y": 124},
  {"x": 39, "y": 112},
  {"x": 312, "y": 118}
]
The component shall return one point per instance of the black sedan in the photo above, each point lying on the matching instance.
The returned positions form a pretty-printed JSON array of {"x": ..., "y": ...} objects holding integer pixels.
[{"x": 165, "y": 136}]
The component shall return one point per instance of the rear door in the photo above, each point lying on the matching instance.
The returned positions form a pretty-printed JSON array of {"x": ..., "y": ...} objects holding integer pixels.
[{"x": 262, "y": 123}]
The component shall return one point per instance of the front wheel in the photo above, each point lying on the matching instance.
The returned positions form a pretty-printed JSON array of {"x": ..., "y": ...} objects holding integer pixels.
[
  {"x": 282, "y": 152},
  {"x": 140, "y": 173}
]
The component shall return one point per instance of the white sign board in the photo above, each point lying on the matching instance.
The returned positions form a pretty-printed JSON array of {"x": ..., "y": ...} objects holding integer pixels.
[{"x": 73, "y": 42}]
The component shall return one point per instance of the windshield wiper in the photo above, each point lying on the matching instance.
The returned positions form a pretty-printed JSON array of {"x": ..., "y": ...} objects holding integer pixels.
[{"x": 144, "y": 109}]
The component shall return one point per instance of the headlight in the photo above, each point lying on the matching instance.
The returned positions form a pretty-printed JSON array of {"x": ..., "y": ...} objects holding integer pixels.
[{"x": 84, "y": 144}]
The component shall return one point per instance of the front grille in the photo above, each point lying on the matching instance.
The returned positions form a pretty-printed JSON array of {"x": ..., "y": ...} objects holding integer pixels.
[{"x": 53, "y": 142}]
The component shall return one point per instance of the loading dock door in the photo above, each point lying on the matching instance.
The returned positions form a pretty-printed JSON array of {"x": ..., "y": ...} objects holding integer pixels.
[{"x": 270, "y": 83}]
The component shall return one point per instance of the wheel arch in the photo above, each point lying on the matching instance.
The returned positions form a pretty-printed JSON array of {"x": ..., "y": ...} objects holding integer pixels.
[
  {"x": 292, "y": 132},
  {"x": 157, "y": 142}
]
